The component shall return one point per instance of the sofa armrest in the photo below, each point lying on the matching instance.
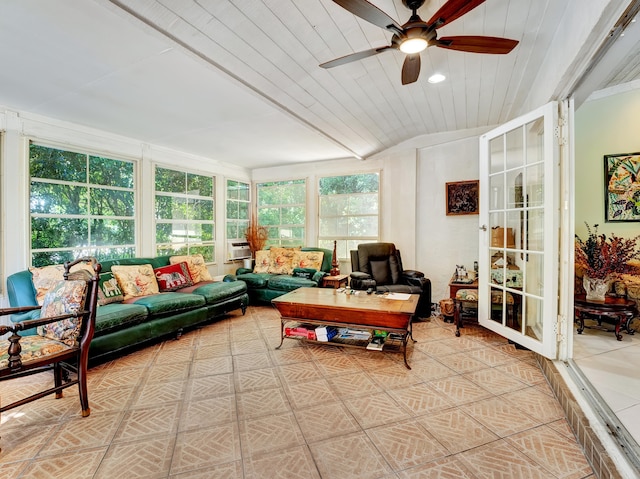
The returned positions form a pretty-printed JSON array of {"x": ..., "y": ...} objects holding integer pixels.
[
  {"x": 362, "y": 281},
  {"x": 359, "y": 275},
  {"x": 412, "y": 273},
  {"x": 318, "y": 275}
]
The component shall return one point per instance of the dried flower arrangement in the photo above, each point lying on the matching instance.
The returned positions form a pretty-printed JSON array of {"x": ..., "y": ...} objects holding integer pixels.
[
  {"x": 601, "y": 256},
  {"x": 256, "y": 235}
]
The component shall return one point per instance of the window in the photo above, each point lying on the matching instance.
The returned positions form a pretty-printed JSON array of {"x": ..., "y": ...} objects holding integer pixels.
[
  {"x": 348, "y": 211},
  {"x": 185, "y": 214},
  {"x": 282, "y": 210},
  {"x": 80, "y": 204},
  {"x": 237, "y": 209}
]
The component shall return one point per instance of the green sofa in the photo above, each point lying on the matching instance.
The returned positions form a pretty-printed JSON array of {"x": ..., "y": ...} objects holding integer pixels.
[
  {"x": 263, "y": 287},
  {"x": 119, "y": 326}
]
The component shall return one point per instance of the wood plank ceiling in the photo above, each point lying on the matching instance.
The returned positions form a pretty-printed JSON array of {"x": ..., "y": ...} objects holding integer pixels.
[
  {"x": 275, "y": 46},
  {"x": 239, "y": 81}
]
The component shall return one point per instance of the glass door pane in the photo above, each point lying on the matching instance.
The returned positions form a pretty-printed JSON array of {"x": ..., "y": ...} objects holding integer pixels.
[{"x": 516, "y": 288}]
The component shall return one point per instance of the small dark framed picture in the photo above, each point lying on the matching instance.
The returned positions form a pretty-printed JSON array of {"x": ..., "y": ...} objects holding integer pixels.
[
  {"x": 463, "y": 197},
  {"x": 622, "y": 187}
]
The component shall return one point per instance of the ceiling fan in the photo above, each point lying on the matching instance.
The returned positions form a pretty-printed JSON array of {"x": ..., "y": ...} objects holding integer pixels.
[{"x": 416, "y": 35}]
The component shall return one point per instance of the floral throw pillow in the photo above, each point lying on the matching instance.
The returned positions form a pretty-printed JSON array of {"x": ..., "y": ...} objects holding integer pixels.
[
  {"x": 308, "y": 259},
  {"x": 197, "y": 267},
  {"x": 109, "y": 290},
  {"x": 281, "y": 260},
  {"x": 263, "y": 261},
  {"x": 63, "y": 298},
  {"x": 47, "y": 277},
  {"x": 136, "y": 280},
  {"x": 173, "y": 277}
]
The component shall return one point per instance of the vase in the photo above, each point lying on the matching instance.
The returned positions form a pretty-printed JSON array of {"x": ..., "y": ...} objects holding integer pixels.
[{"x": 596, "y": 288}]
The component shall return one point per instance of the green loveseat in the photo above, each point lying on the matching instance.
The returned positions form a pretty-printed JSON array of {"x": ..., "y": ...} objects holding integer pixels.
[
  {"x": 122, "y": 325},
  {"x": 263, "y": 287}
]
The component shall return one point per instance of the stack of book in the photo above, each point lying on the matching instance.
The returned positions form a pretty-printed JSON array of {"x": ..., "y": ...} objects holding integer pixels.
[
  {"x": 377, "y": 340},
  {"x": 326, "y": 333},
  {"x": 301, "y": 331},
  {"x": 346, "y": 333}
]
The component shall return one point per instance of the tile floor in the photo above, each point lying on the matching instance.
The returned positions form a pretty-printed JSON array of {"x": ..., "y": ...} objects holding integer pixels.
[
  {"x": 223, "y": 403},
  {"x": 612, "y": 368}
]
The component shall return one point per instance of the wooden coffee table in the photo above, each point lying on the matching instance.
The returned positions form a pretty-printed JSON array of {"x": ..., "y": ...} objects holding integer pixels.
[{"x": 328, "y": 307}]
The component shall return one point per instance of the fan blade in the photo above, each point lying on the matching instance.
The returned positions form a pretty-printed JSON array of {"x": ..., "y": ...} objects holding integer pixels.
[
  {"x": 411, "y": 68},
  {"x": 370, "y": 13},
  {"x": 452, "y": 10},
  {"x": 478, "y": 44},
  {"x": 356, "y": 56}
]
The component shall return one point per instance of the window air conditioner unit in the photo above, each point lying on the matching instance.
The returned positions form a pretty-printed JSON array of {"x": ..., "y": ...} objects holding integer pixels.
[{"x": 238, "y": 249}]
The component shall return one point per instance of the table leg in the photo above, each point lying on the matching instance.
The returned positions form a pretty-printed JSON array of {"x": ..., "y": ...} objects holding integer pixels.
[
  {"x": 580, "y": 320},
  {"x": 281, "y": 334},
  {"x": 404, "y": 344},
  {"x": 627, "y": 324},
  {"x": 457, "y": 316},
  {"x": 620, "y": 320}
]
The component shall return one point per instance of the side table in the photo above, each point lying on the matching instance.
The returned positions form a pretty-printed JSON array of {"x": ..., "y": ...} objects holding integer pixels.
[
  {"x": 338, "y": 281},
  {"x": 617, "y": 311},
  {"x": 454, "y": 287}
]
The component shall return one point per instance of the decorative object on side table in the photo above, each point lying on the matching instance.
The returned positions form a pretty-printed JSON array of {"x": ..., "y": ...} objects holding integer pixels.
[
  {"x": 602, "y": 258},
  {"x": 335, "y": 265},
  {"x": 256, "y": 236}
]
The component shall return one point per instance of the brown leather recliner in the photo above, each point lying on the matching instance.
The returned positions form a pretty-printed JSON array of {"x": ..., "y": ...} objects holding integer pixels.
[{"x": 379, "y": 266}]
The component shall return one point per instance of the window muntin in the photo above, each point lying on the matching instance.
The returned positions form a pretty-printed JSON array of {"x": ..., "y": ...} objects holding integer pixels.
[
  {"x": 348, "y": 211},
  {"x": 238, "y": 201},
  {"x": 281, "y": 207},
  {"x": 185, "y": 213},
  {"x": 80, "y": 204}
]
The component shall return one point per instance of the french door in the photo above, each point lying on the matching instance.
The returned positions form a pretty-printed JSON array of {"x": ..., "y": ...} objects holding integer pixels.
[{"x": 519, "y": 232}]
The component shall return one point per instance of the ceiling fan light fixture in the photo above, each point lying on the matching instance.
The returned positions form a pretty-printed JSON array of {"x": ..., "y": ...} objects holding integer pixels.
[
  {"x": 436, "y": 78},
  {"x": 413, "y": 45}
]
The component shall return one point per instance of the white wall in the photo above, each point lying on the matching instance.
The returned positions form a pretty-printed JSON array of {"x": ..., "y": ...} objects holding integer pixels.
[
  {"x": 607, "y": 125},
  {"x": 444, "y": 241}
]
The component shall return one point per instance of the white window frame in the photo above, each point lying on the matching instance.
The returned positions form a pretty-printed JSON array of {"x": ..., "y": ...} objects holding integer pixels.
[{"x": 195, "y": 222}]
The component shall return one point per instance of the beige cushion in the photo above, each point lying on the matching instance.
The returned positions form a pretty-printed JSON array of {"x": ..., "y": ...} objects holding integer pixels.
[
  {"x": 308, "y": 259},
  {"x": 197, "y": 266},
  {"x": 263, "y": 261},
  {"x": 281, "y": 260},
  {"x": 136, "y": 280},
  {"x": 47, "y": 277}
]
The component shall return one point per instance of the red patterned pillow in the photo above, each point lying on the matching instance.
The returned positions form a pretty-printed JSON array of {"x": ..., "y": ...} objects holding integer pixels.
[{"x": 173, "y": 277}]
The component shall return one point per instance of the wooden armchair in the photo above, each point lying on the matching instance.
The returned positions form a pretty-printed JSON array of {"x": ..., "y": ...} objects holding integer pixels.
[{"x": 65, "y": 329}]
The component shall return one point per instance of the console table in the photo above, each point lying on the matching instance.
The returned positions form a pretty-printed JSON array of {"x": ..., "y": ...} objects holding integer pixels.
[{"x": 617, "y": 311}]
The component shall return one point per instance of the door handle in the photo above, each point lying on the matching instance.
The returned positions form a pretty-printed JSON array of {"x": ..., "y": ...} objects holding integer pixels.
[{"x": 483, "y": 227}]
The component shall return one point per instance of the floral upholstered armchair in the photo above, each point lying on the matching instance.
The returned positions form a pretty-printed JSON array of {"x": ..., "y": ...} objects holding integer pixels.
[{"x": 64, "y": 331}]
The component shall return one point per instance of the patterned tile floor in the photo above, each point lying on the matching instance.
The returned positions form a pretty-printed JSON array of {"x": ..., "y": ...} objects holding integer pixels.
[{"x": 221, "y": 402}]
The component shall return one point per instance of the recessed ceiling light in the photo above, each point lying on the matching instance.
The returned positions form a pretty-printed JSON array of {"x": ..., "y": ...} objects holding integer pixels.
[{"x": 436, "y": 78}]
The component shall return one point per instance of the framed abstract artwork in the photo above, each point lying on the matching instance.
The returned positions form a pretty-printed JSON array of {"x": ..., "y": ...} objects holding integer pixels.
[
  {"x": 463, "y": 197},
  {"x": 622, "y": 187}
]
